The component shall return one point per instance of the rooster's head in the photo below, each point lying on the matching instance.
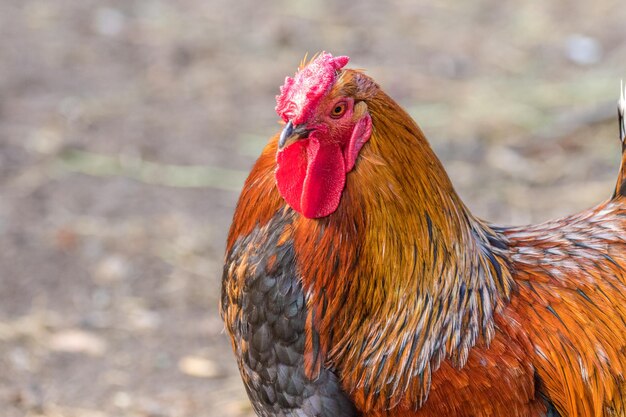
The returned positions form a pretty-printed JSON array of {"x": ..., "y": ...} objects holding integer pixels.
[{"x": 327, "y": 124}]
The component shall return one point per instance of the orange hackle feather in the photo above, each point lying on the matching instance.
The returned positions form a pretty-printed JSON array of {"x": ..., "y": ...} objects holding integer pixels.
[{"x": 424, "y": 310}]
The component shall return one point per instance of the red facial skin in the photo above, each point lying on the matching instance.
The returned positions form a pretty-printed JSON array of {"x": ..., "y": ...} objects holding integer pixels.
[{"x": 311, "y": 172}]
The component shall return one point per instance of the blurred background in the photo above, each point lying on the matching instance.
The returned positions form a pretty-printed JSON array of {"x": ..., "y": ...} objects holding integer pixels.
[{"x": 127, "y": 128}]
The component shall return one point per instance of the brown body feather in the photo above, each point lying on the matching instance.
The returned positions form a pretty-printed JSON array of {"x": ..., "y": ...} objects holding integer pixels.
[{"x": 423, "y": 310}]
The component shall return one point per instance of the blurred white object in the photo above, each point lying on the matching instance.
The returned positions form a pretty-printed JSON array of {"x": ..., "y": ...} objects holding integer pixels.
[
  {"x": 108, "y": 21},
  {"x": 583, "y": 50},
  {"x": 621, "y": 108},
  {"x": 622, "y": 100}
]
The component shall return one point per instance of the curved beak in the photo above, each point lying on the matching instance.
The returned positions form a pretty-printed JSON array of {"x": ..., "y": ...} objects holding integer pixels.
[{"x": 292, "y": 133}]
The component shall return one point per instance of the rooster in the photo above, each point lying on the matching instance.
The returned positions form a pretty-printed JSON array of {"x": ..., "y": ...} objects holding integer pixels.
[{"x": 357, "y": 283}]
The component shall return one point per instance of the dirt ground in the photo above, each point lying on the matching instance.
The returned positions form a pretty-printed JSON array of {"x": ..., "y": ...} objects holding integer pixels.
[{"x": 127, "y": 128}]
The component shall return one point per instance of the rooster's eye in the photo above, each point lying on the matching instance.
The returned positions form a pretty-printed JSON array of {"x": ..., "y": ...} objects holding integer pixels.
[{"x": 338, "y": 110}]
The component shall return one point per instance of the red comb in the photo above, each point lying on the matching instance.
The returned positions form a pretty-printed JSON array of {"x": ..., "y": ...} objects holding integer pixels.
[{"x": 300, "y": 95}]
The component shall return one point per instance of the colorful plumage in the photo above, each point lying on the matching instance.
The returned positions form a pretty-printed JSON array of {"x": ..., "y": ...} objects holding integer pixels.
[{"x": 357, "y": 283}]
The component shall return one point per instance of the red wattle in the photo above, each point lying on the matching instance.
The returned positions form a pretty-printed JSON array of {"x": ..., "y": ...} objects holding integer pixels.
[
  {"x": 325, "y": 179},
  {"x": 311, "y": 177},
  {"x": 291, "y": 164}
]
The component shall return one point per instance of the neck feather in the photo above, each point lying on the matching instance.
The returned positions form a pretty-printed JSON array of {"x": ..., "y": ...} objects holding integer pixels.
[{"x": 401, "y": 276}]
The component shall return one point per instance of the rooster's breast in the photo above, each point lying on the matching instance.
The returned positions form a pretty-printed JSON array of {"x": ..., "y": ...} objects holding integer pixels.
[{"x": 264, "y": 308}]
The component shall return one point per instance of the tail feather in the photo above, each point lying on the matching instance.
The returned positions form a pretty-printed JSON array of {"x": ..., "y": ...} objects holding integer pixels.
[
  {"x": 621, "y": 110},
  {"x": 620, "y": 187}
]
